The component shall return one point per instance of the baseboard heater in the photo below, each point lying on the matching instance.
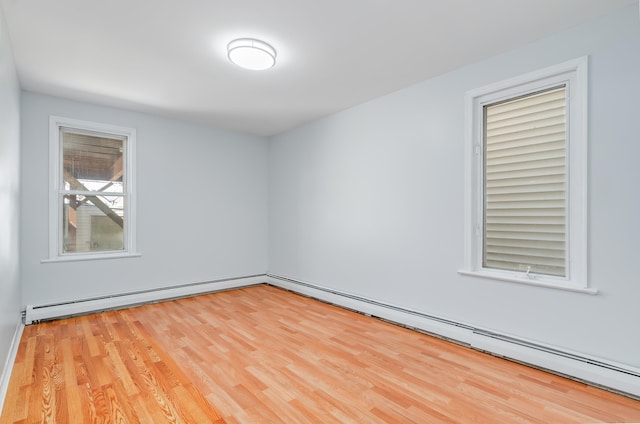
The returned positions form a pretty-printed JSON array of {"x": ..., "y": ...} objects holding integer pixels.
[
  {"x": 595, "y": 371},
  {"x": 557, "y": 352},
  {"x": 38, "y": 313}
]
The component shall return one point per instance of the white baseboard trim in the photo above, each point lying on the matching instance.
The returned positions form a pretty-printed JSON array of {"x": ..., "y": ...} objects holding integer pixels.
[
  {"x": 36, "y": 313},
  {"x": 596, "y": 371},
  {"x": 8, "y": 364}
]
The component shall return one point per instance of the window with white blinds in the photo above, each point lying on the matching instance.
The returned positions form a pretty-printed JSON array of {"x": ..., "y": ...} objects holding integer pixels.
[
  {"x": 526, "y": 179},
  {"x": 525, "y": 183}
]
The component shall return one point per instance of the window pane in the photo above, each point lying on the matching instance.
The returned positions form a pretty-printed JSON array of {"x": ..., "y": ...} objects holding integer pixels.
[
  {"x": 525, "y": 184},
  {"x": 92, "y": 162},
  {"x": 92, "y": 223}
]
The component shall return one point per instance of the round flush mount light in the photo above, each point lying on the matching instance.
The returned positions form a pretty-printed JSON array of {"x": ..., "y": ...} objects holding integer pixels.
[{"x": 250, "y": 53}]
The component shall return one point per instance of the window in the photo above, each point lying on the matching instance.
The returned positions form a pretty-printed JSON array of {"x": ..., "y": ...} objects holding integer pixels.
[
  {"x": 92, "y": 205},
  {"x": 526, "y": 182}
]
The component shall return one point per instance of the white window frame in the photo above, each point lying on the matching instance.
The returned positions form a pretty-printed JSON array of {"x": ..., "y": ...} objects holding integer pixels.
[
  {"x": 55, "y": 189},
  {"x": 573, "y": 73}
]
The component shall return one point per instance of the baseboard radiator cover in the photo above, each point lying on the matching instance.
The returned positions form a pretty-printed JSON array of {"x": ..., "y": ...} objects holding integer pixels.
[
  {"x": 603, "y": 373},
  {"x": 37, "y": 313}
]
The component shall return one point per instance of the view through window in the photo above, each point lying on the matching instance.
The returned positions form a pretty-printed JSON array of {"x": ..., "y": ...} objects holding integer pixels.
[{"x": 93, "y": 193}]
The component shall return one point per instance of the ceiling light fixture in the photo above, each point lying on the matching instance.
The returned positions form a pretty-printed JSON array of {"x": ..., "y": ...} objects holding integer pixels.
[{"x": 251, "y": 54}]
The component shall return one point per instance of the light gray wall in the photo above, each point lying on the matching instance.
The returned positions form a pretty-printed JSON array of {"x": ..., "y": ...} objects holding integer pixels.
[
  {"x": 9, "y": 194},
  {"x": 201, "y": 202},
  {"x": 370, "y": 201}
]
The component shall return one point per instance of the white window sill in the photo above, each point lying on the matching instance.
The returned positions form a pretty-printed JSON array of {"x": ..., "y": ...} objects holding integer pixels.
[
  {"x": 528, "y": 281},
  {"x": 91, "y": 257}
]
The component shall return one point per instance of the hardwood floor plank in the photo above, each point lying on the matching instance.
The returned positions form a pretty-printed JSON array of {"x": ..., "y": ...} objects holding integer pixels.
[
  {"x": 265, "y": 355},
  {"x": 361, "y": 359},
  {"x": 95, "y": 369}
]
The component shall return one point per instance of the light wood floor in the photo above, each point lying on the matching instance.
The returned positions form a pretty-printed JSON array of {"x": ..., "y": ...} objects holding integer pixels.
[{"x": 264, "y": 355}]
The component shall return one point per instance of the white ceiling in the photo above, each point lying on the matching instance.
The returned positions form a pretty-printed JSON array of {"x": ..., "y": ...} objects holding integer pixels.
[{"x": 168, "y": 57}]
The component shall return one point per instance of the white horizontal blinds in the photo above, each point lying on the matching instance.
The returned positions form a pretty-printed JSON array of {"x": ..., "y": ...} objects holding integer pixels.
[{"x": 525, "y": 187}]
